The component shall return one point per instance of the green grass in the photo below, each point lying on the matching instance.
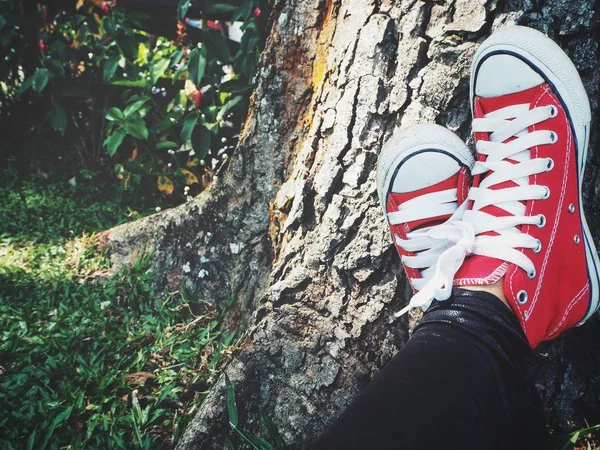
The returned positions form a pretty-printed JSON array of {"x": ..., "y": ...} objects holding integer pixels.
[{"x": 90, "y": 359}]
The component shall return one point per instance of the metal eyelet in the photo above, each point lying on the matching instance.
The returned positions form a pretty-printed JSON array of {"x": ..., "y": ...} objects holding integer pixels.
[
  {"x": 553, "y": 137},
  {"x": 547, "y": 194},
  {"x": 553, "y": 111},
  {"x": 549, "y": 164},
  {"x": 522, "y": 297},
  {"x": 577, "y": 239},
  {"x": 538, "y": 247},
  {"x": 571, "y": 208},
  {"x": 531, "y": 275},
  {"x": 541, "y": 221}
]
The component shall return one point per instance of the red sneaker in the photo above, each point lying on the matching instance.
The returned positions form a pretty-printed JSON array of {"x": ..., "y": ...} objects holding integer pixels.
[
  {"x": 531, "y": 125},
  {"x": 423, "y": 175}
]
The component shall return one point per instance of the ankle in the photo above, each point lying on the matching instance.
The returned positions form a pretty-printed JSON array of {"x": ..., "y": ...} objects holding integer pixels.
[{"x": 496, "y": 289}]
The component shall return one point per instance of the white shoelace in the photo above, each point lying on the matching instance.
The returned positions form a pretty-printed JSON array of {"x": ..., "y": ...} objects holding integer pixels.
[
  {"x": 503, "y": 124},
  {"x": 427, "y": 244}
]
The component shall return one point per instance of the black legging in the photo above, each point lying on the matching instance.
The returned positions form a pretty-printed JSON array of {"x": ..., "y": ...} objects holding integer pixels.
[{"x": 458, "y": 383}]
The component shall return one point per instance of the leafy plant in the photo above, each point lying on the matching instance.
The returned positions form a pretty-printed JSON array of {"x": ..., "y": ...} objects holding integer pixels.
[
  {"x": 574, "y": 438},
  {"x": 164, "y": 112}
]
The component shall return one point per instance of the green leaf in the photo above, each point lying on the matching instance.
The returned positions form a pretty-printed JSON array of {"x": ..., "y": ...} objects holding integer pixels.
[
  {"x": 110, "y": 67},
  {"x": 201, "y": 141},
  {"x": 229, "y": 106},
  {"x": 113, "y": 142},
  {"x": 231, "y": 405},
  {"x": 62, "y": 417},
  {"x": 216, "y": 45},
  {"x": 108, "y": 25},
  {"x": 182, "y": 8},
  {"x": 574, "y": 437},
  {"x": 274, "y": 435},
  {"x": 130, "y": 109},
  {"x": 58, "y": 118},
  {"x": 58, "y": 420},
  {"x": 197, "y": 66},
  {"x": 221, "y": 8},
  {"x": 166, "y": 144},
  {"x": 243, "y": 12},
  {"x": 31, "y": 441},
  {"x": 114, "y": 114},
  {"x": 212, "y": 127},
  {"x": 130, "y": 83},
  {"x": 257, "y": 443},
  {"x": 25, "y": 85},
  {"x": 135, "y": 126},
  {"x": 57, "y": 68},
  {"x": 188, "y": 128},
  {"x": 158, "y": 69},
  {"x": 87, "y": 174},
  {"x": 235, "y": 86},
  {"x": 40, "y": 79}
]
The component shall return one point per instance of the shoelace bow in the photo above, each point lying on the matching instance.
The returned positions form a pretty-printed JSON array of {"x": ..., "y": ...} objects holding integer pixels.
[{"x": 465, "y": 235}]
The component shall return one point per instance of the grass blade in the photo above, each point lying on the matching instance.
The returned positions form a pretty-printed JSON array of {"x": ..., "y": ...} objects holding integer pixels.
[{"x": 231, "y": 405}]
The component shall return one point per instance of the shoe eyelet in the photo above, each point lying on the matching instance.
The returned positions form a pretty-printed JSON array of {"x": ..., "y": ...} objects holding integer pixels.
[
  {"x": 541, "y": 221},
  {"x": 531, "y": 275},
  {"x": 553, "y": 111},
  {"x": 576, "y": 239},
  {"x": 553, "y": 137},
  {"x": 547, "y": 194},
  {"x": 571, "y": 208},
  {"x": 549, "y": 164},
  {"x": 522, "y": 297},
  {"x": 538, "y": 247}
]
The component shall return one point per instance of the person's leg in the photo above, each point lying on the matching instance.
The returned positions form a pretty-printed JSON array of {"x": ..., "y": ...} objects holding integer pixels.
[{"x": 458, "y": 383}]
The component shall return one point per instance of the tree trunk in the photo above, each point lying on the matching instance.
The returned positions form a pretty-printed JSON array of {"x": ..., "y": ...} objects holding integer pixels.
[{"x": 292, "y": 227}]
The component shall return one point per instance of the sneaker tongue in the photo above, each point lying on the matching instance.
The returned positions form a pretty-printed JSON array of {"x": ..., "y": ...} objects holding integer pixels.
[
  {"x": 484, "y": 270},
  {"x": 490, "y": 104}
]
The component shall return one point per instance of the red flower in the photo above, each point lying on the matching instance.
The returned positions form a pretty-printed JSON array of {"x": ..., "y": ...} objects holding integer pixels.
[
  {"x": 106, "y": 7},
  {"x": 198, "y": 99},
  {"x": 257, "y": 12},
  {"x": 42, "y": 45}
]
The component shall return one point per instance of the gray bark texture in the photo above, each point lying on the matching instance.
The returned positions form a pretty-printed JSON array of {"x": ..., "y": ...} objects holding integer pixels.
[{"x": 292, "y": 227}]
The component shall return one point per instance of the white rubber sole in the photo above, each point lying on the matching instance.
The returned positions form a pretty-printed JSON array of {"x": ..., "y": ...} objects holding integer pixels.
[
  {"x": 552, "y": 63},
  {"x": 409, "y": 141}
]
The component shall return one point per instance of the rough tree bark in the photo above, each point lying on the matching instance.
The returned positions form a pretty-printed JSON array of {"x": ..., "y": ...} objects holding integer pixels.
[{"x": 292, "y": 227}]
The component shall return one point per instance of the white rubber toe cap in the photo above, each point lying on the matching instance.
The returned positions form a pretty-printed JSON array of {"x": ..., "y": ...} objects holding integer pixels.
[
  {"x": 422, "y": 170},
  {"x": 502, "y": 74}
]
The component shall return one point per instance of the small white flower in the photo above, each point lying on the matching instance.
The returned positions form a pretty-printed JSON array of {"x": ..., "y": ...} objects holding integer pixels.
[
  {"x": 202, "y": 273},
  {"x": 169, "y": 165},
  {"x": 157, "y": 209},
  {"x": 223, "y": 140},
  {"x": 235, "y": 248},
  {"x": 171, "y": 152},
  {"x": 186, "y": 268}
]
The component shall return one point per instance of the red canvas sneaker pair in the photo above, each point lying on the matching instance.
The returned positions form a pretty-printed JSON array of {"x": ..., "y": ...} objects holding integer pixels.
[{"x": 521, "y": 221}]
